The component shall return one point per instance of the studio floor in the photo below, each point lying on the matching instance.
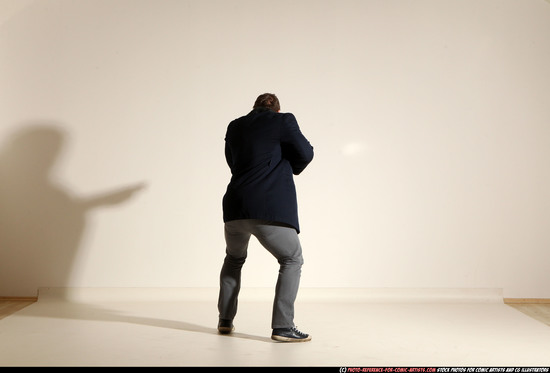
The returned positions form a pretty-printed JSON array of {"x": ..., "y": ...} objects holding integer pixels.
[{"x": 107, "y": 329}]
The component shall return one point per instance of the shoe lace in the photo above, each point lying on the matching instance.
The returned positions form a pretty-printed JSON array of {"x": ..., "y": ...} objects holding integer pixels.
[{"x": 295, "y": 329}]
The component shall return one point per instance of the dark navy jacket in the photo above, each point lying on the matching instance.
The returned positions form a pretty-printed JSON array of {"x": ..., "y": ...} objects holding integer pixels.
[{"x": 264, "y": 149}]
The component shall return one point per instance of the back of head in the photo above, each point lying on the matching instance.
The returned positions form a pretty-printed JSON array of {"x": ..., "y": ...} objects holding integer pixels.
[{"x": 267, "y": 101}]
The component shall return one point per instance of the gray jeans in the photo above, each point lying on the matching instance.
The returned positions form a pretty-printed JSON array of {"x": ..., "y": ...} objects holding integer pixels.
[{"x": 283, "y": 243}]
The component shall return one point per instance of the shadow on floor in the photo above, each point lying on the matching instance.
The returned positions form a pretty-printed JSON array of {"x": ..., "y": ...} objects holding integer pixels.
[{"x": 81, "y": 311}]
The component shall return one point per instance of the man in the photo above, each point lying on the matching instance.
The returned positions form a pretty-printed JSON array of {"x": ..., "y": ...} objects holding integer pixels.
[{"x": 263, "y": 150}]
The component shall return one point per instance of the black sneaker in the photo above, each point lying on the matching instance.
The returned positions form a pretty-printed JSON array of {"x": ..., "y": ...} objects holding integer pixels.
[
  {"x": 290, "y": 335},
  {"x": 225, "y": 326}
]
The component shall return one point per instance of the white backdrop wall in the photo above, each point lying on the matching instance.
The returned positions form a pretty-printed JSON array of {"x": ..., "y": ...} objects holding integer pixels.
[{"x": 430, "y": 121}]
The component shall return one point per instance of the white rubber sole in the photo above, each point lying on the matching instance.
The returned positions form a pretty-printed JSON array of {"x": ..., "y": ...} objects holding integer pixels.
[
  {"x": 286, "y": 339},
  {"x": 226, "y": 330}
]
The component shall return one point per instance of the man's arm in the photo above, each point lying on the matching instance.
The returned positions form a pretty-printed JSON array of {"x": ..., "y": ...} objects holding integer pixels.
[
  {"x": 296, "y": 148},
  {"x": 228, "y": 156}
]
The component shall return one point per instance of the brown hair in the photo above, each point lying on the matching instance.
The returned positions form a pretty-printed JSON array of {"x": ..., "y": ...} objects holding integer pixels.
[{"x": 268, "y": 101}]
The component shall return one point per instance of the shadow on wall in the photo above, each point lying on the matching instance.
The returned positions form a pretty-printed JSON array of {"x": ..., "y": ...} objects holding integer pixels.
[{"x": 41, "y": 223}]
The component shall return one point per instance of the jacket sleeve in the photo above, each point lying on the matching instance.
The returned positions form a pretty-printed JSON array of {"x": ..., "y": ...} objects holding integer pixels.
[
  {"x": 295, "y": 147},
  {"x": 228, "y": 156}
]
